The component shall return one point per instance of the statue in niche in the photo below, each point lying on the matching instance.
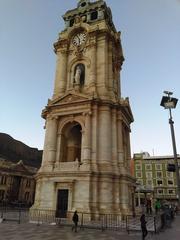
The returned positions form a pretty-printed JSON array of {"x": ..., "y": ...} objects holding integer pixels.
[{"x": 79, "y": 74}]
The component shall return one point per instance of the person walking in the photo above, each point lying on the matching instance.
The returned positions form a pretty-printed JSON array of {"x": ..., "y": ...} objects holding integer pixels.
[
  {"x": 143, "y": 226},
  {"x": 157, "y": 206},
  {"x": 75, "y": 220}
]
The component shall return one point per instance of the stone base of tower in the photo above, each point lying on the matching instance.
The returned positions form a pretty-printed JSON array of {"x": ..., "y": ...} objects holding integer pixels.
[{"x": 89, "y": 193}]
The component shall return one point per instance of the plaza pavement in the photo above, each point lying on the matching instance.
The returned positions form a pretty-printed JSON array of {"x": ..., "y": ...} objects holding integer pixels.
[{"x": 27, "y": 231}]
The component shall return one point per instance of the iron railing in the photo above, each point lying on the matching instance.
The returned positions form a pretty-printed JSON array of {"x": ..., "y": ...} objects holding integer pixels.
[{"x": 112, "y": 222}]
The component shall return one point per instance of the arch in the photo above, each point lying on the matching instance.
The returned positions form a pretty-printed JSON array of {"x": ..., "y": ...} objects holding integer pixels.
[
  {"x": 70, "y": 119},
  {"x": 71, "y": 138},
  {"x": 82, "y": 27}
]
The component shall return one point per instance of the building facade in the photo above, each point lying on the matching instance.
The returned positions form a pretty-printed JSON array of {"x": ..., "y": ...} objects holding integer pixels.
[
  {"x": 17, "y": 183},
  {"x": 152, "y": 177},
  {"x": 86, "y": 158}
]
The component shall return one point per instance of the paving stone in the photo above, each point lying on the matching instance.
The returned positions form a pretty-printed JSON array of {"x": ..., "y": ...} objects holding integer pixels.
[{"x": 27, "y": 231}]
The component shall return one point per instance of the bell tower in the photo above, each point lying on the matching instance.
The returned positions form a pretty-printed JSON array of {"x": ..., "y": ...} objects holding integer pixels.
[{"x": 86, "y": 157}]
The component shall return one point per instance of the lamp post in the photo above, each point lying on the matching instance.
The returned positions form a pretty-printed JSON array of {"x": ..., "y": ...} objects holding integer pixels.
[{"x": 169, "y": 102}]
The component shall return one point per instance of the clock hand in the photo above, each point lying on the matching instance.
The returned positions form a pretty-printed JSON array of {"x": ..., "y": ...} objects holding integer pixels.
[{"x": 79, "y": 39}]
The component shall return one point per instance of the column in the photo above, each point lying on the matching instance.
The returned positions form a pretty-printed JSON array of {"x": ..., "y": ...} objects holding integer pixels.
[
  {"x": 59, "y": 149},
  {"x": 95, "y": 137},
  {"x": 110, "y": 69},
  {"x": 102, "y": 58},
  {"x": 114, "y": 141},
  {"x": 93, "y": 60},
  {"x": 104, "y": 137},
  {"x": 124, "y": 197},
  {"x": 87, "y": 139},
  {"x": 128, "y": 150},
  {"x": 52, "y": 140},
  {"x": 49, "y": 155},
  {"x": 116, "y": 195},
  {"x": 61, "y": 73},
  {"x": 120, "y": 141}
]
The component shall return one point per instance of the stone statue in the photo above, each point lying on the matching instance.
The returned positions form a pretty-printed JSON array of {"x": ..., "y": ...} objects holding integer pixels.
[{"x": 77, "y": 75}]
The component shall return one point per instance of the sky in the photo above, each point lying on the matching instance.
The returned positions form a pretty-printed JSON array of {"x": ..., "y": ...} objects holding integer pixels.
[{"x": 150, "y": 34}]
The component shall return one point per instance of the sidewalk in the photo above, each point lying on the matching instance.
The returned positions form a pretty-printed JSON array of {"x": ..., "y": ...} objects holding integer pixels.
[
  {"x": 27, "y": 231},
  {"x": 172, "y": 233},
  {"x": 14, "y": 231}
]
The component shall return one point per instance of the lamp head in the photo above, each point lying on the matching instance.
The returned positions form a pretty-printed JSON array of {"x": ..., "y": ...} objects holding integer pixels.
[{"x": 168, "y": 93}]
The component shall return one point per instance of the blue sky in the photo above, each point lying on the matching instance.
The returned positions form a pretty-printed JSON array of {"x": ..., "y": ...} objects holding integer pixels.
[{"x": 150, "y": 33}]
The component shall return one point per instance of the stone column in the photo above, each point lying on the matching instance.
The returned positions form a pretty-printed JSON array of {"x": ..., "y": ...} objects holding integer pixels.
[
  {"x": 61, "y": 74},
  {"x": 104, "y": 138},
  {"x": 59, "y": 149},
  {"x": 95, "y": 138},
  {"x": 128, "y": 150},
  {"x": 105, "y": 194},
  {"x": 114, "y": 141},
  {"x": 124, "y": 197},
  {"x": 87, "y": 139},
  {"x": 102, "y": 56},
  {"x": 49, "y": 154},
  {"x": 120, "y": 142},
  {"x": 110, "y": 69},
  {"x": 93, "y": 46},
  {"x": 116, "y": 196}
]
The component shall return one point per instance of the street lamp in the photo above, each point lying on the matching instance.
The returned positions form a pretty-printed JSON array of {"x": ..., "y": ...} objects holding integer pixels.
[{"x": 169, "y": 102}]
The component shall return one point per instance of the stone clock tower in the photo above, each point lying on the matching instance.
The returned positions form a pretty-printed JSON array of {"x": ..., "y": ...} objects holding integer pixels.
[{"x": 86, "y": 158}]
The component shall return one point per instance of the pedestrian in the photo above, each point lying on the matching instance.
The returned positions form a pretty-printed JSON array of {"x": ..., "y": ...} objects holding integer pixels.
[
  {"x": 148, "y": 206},
  {"x": 157, "y": 206},
  {"x": 143, "y": 226},
  {"x": 75, "y": 220}
]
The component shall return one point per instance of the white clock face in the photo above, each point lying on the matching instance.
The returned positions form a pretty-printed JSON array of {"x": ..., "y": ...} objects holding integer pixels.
[{"x": 79, "y": 39}]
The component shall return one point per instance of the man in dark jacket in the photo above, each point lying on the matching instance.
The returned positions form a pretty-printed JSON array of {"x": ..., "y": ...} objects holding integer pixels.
[
  {"x": 75, "y": 220},
  {"x": 143, "y": 226}
]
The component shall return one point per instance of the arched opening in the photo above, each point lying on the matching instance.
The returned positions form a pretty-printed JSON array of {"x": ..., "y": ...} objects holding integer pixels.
[
  {"x": 71, "y": 143},
  {"x": 79, "y": 74}
]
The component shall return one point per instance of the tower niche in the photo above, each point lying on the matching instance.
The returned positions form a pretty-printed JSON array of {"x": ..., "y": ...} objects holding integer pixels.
[{"x": 87, "y": 142}]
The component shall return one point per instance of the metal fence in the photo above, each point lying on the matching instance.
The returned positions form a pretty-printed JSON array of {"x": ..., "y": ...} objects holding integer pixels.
[
  {"x": 112, "y": 222},
  {"x": 16, "y": 214}
]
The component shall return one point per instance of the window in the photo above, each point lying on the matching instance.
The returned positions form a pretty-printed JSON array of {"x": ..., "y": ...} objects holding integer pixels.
[
  {"x": 2, "y": 192},
  {"x": 158, "y": 166},
  {"x": 160, "y": 191},
  {"x": 28, "y": 183},
  {"x": 149, "y": 182},
  {"x": 139, "y": 174},
  {"x": 149, "y": 174},
  {"x": 83, "y": 4},
  {"x": 169, "y": 174},
  {"x": 148, "y": 167},
  {"x": 138, "y": 167},
  {"x": 170, "y": 182},
  {"x": 159, "y": 182},
  {"x": 159, "y": 174},
  {"x": 94, "y": 15},
  {"x": 171, "y": 192},
  {"x": 140, "y": 182},
  {"x": 71, "y": 22},
  {"x": 3, "y": 180}
]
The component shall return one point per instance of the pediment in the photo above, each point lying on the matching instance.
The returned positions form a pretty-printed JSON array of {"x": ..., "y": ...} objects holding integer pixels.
[
  {"x": 20, "y": 167},
  {"x": 70, "y": 98}
]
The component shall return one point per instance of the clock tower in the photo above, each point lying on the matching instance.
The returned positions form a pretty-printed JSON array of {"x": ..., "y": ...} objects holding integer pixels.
[{"x": 86, "y": 157}]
